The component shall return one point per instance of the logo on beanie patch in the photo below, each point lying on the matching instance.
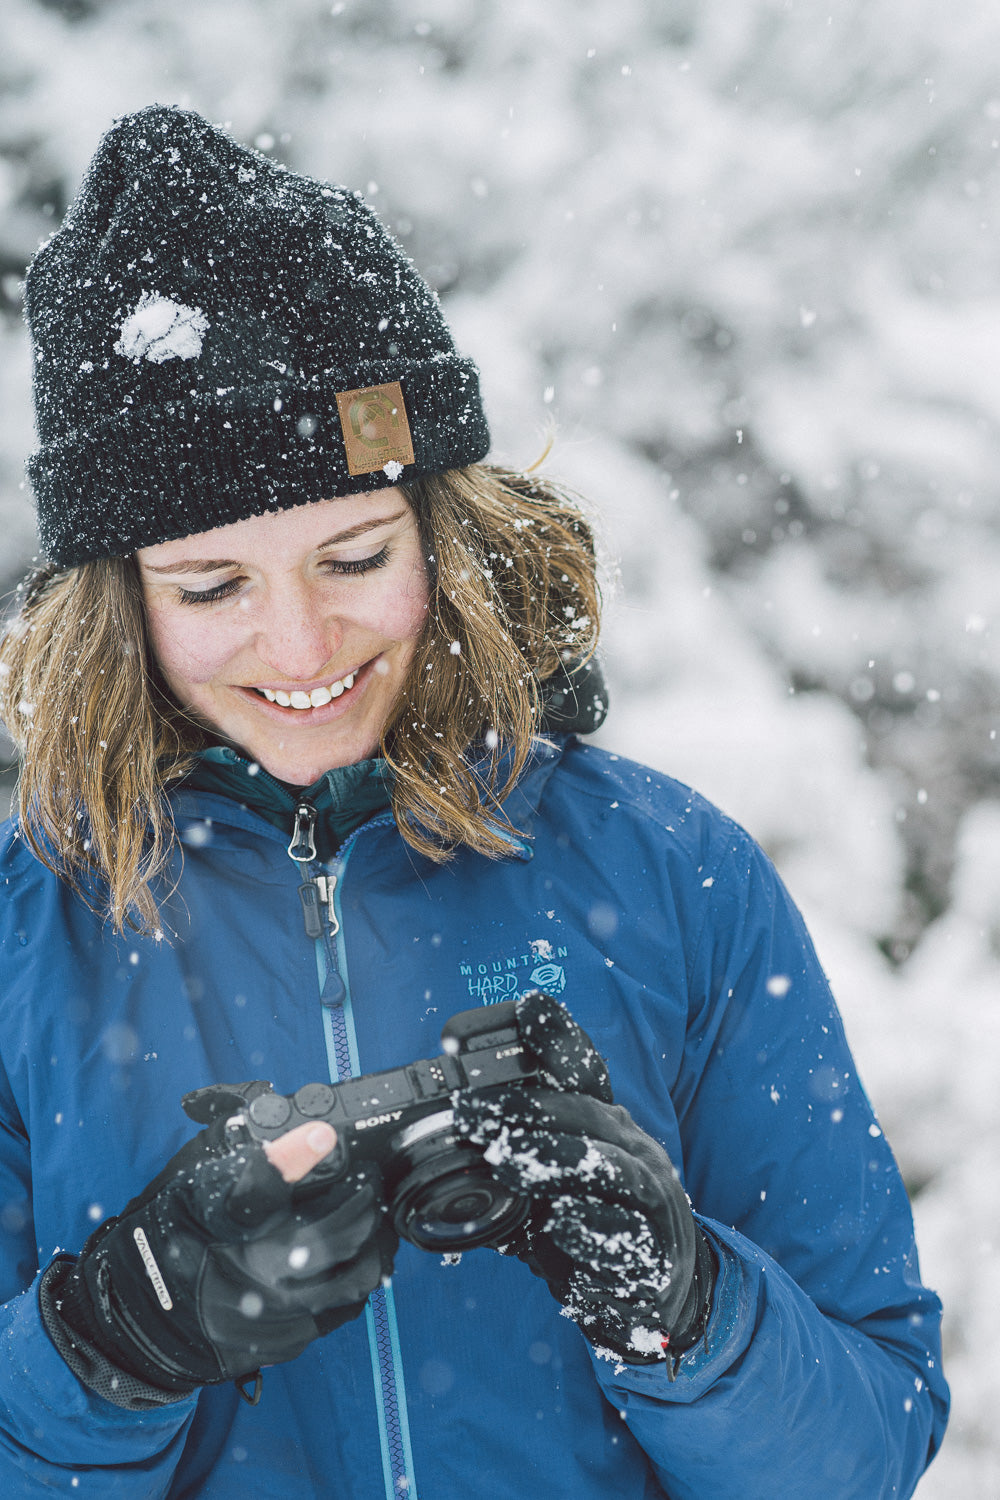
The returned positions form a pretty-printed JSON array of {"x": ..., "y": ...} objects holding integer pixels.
[
  {"x": 159, "y": 329},
  {"x": 376, "y": 429}
]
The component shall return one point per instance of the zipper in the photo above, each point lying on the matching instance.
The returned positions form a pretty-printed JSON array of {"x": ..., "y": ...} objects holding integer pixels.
[
  {"x": 319, "y": 893},
  {"x": 303, "y": 844},
  {"x": 316, "y": 892}
]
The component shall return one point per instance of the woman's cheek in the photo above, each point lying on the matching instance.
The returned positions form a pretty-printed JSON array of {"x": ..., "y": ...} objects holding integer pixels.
[
  {"x": 185, "y": 649},
  {"x": 411, "y": 622},
  {"x": 406, "y": 609}
]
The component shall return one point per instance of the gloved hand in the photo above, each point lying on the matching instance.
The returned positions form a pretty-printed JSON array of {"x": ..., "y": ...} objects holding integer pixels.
[
  {"x": 221, "y": 1266},
  {"x": 611, "y": 1231}
]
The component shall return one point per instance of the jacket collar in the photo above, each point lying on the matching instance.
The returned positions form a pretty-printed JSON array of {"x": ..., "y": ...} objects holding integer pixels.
[
  {"x": 342, "y": 799},
  {"x": 345, "y": 797}
]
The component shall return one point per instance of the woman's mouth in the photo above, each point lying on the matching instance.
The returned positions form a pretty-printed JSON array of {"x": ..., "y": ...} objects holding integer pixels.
[{"x": 315, "y": 698}]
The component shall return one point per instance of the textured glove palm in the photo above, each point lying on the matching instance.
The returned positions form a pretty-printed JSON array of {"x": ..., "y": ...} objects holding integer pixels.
[
  {"x": 611, "y": 1232},
  {"x": 220, "y": 1266}
]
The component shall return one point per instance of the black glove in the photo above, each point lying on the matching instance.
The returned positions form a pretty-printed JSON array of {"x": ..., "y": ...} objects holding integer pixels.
[
  {"x": 220, "y": 1266},
  {"x": 611, "y": 1231}
]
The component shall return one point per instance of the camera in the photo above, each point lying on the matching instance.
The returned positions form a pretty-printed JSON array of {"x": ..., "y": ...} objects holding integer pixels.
[{"x": 439, "y": 1189}]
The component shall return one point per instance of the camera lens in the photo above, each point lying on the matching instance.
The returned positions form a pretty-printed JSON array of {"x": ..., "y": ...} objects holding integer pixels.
[
  {"x": 467, "y": 1206},
  {"x": 445, "y": 1197},
  {"x": 451, "y": 1214}
]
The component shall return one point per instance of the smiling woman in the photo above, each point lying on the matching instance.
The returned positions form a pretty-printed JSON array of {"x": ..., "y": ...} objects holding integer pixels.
[{"x": 298, "y": 695}]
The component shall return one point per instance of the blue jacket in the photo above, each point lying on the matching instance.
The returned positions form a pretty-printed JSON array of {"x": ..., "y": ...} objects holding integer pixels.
[{"x": 670, "y": 937}]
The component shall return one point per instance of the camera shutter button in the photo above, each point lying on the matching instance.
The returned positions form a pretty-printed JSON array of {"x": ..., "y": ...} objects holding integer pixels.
[
  {"x": 314, "y": 1099},
  {"x": 270, "y": 1111}
]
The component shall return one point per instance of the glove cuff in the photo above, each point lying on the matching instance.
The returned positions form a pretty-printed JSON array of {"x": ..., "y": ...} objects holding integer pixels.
[
  {"x": 613, "y": 1335},
  {"x": 693, "y": 1321},
  {"x": 68, "y": 1320}
]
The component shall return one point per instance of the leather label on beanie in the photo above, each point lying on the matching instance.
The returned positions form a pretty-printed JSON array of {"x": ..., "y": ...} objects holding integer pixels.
[{"x": 376, "y": 429}]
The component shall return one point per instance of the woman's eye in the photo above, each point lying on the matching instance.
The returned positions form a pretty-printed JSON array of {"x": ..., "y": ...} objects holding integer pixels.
[
  {"x": 358, "y": 564},
  {"x": 209, "y": 596},
  {"x": 340, "y": 567}
]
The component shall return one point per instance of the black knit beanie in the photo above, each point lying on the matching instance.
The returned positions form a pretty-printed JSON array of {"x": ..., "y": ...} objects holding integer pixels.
[{"x": 216, "y": 337}]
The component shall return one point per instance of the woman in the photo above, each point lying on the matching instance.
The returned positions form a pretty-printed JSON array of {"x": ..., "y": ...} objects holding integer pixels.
[{"x": 285, "y": 809}]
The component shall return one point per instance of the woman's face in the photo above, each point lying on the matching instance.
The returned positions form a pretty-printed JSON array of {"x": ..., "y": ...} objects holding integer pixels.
[{"x": 291, "y": 633}]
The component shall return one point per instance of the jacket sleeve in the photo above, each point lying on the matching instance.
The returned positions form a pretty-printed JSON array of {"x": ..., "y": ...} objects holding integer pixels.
[
  {"x": 820, "y": 1376},
  {"x": 56, "y": 1436}
]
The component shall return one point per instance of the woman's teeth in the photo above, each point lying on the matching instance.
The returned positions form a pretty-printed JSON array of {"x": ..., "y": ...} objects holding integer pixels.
[{"x": 315, "y": 699}]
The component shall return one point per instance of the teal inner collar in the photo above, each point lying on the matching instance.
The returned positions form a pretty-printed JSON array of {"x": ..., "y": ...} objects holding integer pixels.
[{"x": 343, "y": 798}]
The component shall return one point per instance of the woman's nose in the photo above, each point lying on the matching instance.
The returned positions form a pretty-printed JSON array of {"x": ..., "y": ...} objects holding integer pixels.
[{"x": 297, "y": 638}]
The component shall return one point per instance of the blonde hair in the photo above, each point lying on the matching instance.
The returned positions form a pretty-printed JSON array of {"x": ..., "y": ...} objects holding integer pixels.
[{"x": 513, "y": 592}]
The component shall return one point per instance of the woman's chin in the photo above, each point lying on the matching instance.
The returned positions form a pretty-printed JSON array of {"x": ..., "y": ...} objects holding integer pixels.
[{"x": 303, "y": 771}]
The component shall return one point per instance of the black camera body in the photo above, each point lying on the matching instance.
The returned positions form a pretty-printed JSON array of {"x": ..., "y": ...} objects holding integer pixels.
[{"x": 439, "y": 1188}]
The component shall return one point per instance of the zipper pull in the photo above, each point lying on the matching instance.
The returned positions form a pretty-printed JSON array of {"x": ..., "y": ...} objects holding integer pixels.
[
  {"x": 303, "y": 850},
  {"x": 326, "y": 885},
  {"x": 316, "y": 894},
  {"x": 303, "y": 846},
  {"x": 311, "y": 911}
]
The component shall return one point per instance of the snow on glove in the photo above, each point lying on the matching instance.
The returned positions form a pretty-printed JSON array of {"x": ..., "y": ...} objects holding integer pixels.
[
  {"x": 220, "y": 1266},
  {"x": 611, "y": 1232}
]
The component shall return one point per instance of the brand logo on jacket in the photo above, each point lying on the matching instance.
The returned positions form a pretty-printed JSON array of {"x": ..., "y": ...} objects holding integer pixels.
[{"x": 537, "y": 967}]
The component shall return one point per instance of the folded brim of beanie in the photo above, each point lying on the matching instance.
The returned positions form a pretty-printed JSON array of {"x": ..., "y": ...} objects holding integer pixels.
[{"x": 255, "y": 449}]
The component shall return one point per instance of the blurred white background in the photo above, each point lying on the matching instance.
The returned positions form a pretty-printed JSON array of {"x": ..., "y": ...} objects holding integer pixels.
[{"x": 744, "y": 254}]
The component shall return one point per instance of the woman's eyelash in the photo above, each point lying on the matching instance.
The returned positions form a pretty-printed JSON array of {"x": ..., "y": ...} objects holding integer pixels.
[
  {"x": 209, "y": 596},
  {"x": 359, "y": 564},
  {"x": 350, "y": 567}
]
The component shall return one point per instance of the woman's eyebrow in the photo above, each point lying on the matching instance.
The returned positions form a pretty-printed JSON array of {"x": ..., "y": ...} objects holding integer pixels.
[
  {"x": 360, "y": 529},
  {"x": 190, "y": 565},
  {"x": 215, "y": 565}
]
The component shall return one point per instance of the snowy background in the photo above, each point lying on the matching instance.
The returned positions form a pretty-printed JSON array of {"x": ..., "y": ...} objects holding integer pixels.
[{"x": 743, "y": 254}]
